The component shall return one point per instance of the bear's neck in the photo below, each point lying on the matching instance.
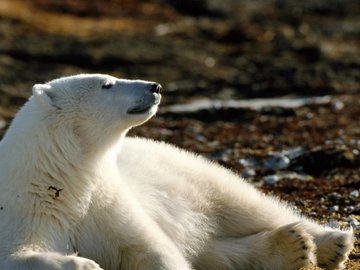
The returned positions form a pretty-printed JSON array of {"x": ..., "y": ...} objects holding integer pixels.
[{"x": 48, "y": 168}]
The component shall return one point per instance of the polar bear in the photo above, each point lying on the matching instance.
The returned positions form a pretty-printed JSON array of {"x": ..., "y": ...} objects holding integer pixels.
[{"x": 75, "y": 193}]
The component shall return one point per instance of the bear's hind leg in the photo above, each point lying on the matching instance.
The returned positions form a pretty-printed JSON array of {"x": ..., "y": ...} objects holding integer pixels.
[
  {"x": 288, "y": 247},
  {"x": 333, "y": 245}
]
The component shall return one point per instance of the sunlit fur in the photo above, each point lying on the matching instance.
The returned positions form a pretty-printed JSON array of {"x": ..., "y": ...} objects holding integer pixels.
[{"x": 75, "y": 193}]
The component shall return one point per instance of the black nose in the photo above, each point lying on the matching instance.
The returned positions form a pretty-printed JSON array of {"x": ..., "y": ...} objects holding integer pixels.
[{"x": 156, "y": 88}]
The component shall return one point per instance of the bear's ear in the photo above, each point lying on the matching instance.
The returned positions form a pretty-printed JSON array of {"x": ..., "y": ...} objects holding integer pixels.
[{"x": 41, "y": 96}]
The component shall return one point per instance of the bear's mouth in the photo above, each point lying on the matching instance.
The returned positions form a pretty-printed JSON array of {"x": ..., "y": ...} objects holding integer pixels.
[
  {"x": 143, "y": 108},
  {"x": 140, "y": 109}
]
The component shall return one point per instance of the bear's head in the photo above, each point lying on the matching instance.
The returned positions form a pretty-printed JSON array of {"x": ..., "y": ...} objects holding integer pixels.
[{"x": 95, "y": 107}]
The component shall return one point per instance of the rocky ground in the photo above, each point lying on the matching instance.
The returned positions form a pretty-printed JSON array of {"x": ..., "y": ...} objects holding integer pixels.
[{"x": 267, "y": 88}]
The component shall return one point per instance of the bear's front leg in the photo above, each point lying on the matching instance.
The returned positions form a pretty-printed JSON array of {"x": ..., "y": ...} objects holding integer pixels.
[
  {"x": 31, "y": 260},
  {"x": 135, "y": 234},
  {"x": 151, "y": 249}
]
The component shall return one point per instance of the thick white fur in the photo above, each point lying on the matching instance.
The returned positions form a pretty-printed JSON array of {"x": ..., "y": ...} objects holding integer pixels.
[{"x": 75, "y": 193}]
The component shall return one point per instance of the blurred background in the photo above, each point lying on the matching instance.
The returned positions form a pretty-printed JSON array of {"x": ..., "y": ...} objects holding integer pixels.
[{"x": 268, "y": 88}]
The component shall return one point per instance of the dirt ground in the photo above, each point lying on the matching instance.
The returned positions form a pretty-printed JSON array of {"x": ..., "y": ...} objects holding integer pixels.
[{"x": 269, "y": 89}]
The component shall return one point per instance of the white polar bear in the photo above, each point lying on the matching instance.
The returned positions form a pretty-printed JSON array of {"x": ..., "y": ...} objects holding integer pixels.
[{"x": 76, "y": 194}]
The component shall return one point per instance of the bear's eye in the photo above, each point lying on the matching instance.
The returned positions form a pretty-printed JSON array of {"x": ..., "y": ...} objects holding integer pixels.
[{"x": 107, "y": 86}]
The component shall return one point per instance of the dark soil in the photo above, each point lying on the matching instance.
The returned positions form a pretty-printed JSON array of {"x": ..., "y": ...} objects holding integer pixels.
[{"x": 214, "y": 53}]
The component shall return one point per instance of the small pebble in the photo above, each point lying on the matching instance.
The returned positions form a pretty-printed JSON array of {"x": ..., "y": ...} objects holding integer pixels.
[
  {"x": 222, "y": 155},
  {"x": 2, "y": 123},
  {"x": 162, "y": 29},
  {"x": 248, "y": 173},
  {"x": 354, "y": 223},
  {"x": 277, "y": 162},
  {"x": 293, "y": 153},
  {"x": 349, "y": 209},
  {"x": 355, "y": 209},
  {"x": 209, "y": 62},
  {"x": 338, "y": 105},
  {"x": 354, "y": 193},
  {"x": 164, "y": 131},
  {"x": 248, "y": 162},
  {"x": 334, "y": 196},
  {"x": 200, "y": 138},
  {"x": 334, "y": 208},
  {"x": 271, "y": 179}
]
